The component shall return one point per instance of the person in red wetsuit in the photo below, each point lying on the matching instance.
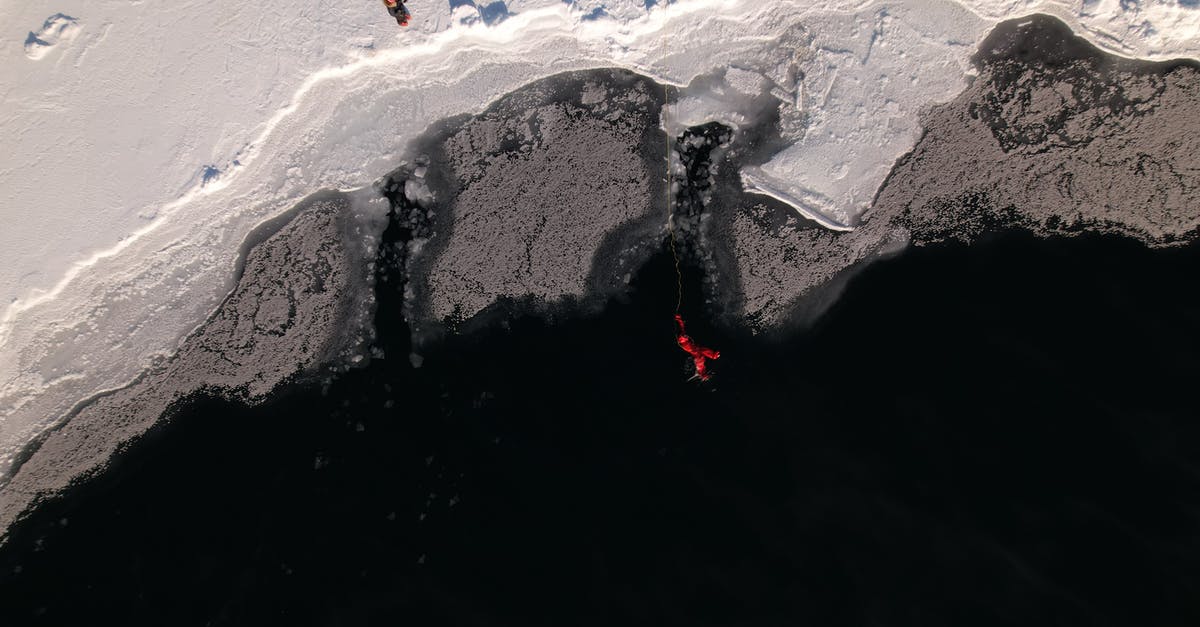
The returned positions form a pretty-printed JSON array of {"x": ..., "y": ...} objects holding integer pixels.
[
  {"x": 397, "y": 10},
  {"x": 700, "y": 355}
]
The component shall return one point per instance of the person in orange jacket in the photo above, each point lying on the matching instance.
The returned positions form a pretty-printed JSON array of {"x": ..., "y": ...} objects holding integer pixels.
[{"x": 397, "y": 10}]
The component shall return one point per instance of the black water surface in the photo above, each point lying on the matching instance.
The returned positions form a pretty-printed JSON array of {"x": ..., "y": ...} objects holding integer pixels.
[{"x": 1005, "y": 434}]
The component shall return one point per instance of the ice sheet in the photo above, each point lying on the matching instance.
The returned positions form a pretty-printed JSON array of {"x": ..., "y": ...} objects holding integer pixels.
[{"x": 143, "y": 140}]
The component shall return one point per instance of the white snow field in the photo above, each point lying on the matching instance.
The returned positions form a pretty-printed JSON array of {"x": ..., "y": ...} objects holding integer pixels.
[{"x": 144, "y": 139}]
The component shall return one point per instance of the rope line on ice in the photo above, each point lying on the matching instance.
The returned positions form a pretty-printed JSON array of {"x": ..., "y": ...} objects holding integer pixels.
[{"x": 700, "y": 354}]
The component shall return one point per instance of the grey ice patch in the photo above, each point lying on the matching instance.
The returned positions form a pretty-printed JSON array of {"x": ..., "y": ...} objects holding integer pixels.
[
  {"x": 297, "y": 306},
  {"x": 1054, "y": 136},
  {"x": 531, "y": 189},
  {"x": 593, "y": 94},
  {"x": 784, "y": 261}
]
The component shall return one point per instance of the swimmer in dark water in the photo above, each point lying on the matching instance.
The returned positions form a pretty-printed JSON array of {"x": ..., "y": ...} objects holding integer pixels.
[{"x": 700, "y": 355}]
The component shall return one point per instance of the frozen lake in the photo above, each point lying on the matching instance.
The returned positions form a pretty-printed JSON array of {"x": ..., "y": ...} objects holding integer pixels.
[{"x": 144, "y": 141}]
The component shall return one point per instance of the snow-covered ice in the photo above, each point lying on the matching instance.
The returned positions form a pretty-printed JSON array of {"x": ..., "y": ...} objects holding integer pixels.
[{"x": 144, "y": 140}]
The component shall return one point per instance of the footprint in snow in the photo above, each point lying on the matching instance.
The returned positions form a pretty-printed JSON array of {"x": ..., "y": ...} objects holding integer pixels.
[{"x": 58, "y": 28}]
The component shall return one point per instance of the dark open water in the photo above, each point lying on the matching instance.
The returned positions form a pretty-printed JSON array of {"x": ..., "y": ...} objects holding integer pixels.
[{"x": 1001, "y": 435}]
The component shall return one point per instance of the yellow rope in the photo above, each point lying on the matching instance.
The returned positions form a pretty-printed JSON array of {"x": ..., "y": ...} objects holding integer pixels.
[{"x": 670, "y": 221}]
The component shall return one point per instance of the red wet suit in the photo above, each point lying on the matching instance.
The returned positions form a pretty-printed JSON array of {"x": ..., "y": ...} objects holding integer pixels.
[{"x": 700, "y": 355}]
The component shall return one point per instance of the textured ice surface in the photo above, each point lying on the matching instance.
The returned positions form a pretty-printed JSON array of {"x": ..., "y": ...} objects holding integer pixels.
[
  {"x": 300, "y": 292},
  {"x": 151, "y": 137},
  {"x": 534, "y": 185},
  {"x": 1053, "y": 137}
]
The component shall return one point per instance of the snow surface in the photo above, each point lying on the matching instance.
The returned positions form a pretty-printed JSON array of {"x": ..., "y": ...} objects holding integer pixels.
[{"x": 144, "y": 140}]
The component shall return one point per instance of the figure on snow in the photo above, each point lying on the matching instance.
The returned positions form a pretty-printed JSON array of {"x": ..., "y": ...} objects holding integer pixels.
[
  {"x": 397, "y": 10},
  {"x": 700, "y": 355}
]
